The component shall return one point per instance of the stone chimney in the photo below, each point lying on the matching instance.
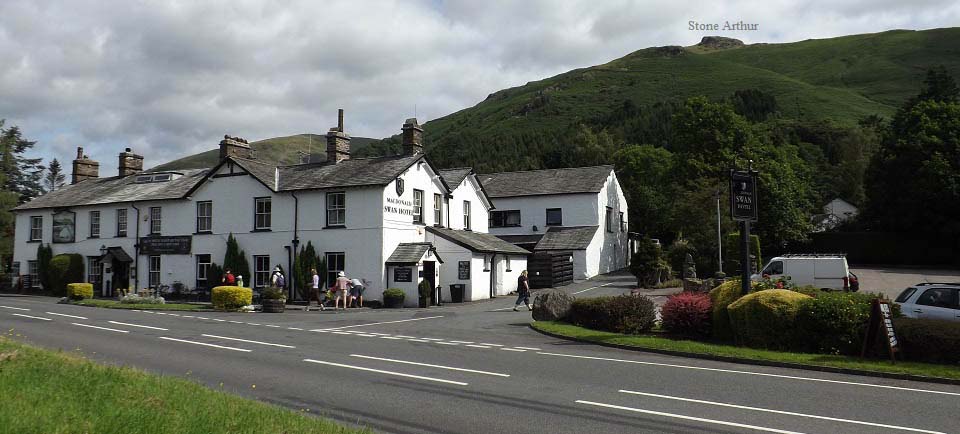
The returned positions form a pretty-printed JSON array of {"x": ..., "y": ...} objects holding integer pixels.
[
  {"x": 130, "y": 163},
  {"x": 412, "y": 137},
  {"x": 84, "y": 168},
  {"x": 338, "y": 142},
  {"x": 235, "y": 147}
]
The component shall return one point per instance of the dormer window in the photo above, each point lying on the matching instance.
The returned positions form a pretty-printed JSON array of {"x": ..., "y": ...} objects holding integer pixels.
[{"x": 156, "y": 177}]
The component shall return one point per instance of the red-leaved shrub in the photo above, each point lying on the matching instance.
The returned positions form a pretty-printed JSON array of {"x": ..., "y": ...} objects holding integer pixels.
[{"x": 687, "y": 313}]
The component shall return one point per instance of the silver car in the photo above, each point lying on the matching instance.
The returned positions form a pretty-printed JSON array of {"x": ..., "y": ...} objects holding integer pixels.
[{"x": 931, "y": 301}]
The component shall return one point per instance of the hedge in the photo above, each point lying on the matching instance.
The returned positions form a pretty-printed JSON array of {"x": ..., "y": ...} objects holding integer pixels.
[
  {"x": 765, "y": 319},
  {"x": 79, "y": 291},
  {"x": 231, "y": 297},
  {"x": 64, "y": 269},
  {"x": 927, "y": 340},
  {"x": 721, "y": 297},
  {"x": 833, "y": 322},
  {"x": 621, "y": 314},
  {"x": 687, "y": 313}
]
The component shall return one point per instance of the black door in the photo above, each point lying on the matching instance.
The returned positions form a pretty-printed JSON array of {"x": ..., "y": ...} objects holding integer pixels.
[
  {"x": 121, "y": 276},
  {"x": 430, "y": 275}
]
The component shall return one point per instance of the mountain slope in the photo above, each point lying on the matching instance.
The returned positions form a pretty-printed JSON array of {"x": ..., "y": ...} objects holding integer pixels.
[{"x": 281, "y": 150}]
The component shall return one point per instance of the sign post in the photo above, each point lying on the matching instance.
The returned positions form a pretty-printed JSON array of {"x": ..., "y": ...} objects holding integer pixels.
[
  {"x": 743, "y": 208},
  {"x": 881, "y": 325}
]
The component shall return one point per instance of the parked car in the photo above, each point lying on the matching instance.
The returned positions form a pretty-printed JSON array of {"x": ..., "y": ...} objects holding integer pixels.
[
  {"x": 931, "y": 301},
  {"x": 824, "y": 271}
]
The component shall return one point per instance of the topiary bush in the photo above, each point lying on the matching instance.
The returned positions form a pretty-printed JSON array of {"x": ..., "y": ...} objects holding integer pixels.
[
  {"x": 927, "y": 340},
  {"x": 833, "y": 322},
  {"x": 79, "y": 291},
  {"x": 393, "y": 297},
  {"x": 765, "y": 319},
  {"x": 687, "y": 313},
  {"x": 721, "y": 297},
  {"x": 621, "y": 314},
  {"x": 64, "y": 269},
  {"x": 231, "y": 297}
]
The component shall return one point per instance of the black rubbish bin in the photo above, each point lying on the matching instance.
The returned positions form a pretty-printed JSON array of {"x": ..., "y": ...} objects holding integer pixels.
[{"x": 456, "y": 292}]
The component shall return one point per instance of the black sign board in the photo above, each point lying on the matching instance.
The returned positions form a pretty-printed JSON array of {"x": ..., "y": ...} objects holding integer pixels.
[
  {"x": 403, "y": 274},
  {"x": 881, "y": 325},
  {"x": 463, "y": 270},
  {"x": 173, "y": 245},
  {"x": 743, "y": 196}
]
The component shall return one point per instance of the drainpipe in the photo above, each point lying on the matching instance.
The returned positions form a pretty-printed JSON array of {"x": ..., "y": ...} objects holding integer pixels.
[
  {"x": 296, "y": 245},
  {"x": 136, "y": 251},
  {"x": 493, "y": 275}
]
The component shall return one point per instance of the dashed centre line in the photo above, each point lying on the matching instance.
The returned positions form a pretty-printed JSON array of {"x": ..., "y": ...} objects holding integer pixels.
[
  {"x": 15, "y": 308},
  {"x": 205, "y": 344},
  {"x": 31, "y": 316},
  {"x": 406, "y": 362},
  {"x": 249, "y": 341},
  {"x": 101, "y": 328},
  {"x": 137, "y": 325},
  {"x": 68, "y": 316},
  {"x": 380, "y": 371}
]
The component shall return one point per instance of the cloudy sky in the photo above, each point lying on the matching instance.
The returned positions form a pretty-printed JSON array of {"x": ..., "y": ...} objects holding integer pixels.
[{"x": 169, "y": 78}]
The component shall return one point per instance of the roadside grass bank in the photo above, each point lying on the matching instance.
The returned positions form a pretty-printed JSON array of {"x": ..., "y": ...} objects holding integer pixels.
[
  {"x": 694, "y": 348},
  {"x": 54, "y": 392},
  {"x": 113, "y": 304}
]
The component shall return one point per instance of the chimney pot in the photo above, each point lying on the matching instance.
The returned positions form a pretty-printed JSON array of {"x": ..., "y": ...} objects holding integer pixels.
[
  {"x": 130, "y": 163},
  {"x": 235, "y": 147},
  {"x": 412, "y": 137},
  {"x": 338, "y": 142},
  {"x": 84, "y": 168}
]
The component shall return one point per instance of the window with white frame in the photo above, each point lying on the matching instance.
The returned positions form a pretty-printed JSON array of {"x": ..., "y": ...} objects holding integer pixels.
[
  {"x": 466, "y": 215},
  {"x": 336, "y": 262},
  {"x": 417, "y": 206},
  {"x": 94, "y": 224},
  {"x": 93, "y": 271},
  {"x": 155, "y": 220},
  {"x": 336, "y": 209},
  {"x": 33, "y": 273},
  {"x": 122, "y": 222},
  {"x": 261, "y": 271},
  {"x": 203, "y": 270},
  {"x": 437, "y": 210},
  {"x": 36, "y": 228},
  {"x": 154, "y": 274},
  {"x": 204, "y": 216},
  {"x": 262, "y": 210}
]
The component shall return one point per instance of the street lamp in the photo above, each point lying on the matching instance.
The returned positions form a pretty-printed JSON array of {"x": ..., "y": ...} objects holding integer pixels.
[
  {"x": 103, "y": 250},
  {"x": 719, "y": 237}
]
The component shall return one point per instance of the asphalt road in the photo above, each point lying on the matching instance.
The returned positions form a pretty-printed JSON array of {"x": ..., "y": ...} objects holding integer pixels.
[{"x": 476, "y": 368}]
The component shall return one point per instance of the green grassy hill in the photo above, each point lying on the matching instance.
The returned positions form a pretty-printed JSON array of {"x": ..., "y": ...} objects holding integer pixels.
[
  {"x": 282, "y": 150},
  {"x": 843, "y": 79}
]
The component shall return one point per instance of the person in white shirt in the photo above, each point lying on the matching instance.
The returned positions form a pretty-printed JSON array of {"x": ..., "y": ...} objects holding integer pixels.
[
  {"x": 315, "y": 285},
  {"x": 356, "y": 291}
]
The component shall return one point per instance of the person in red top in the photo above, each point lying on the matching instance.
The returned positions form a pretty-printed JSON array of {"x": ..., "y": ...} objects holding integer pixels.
[{"x": 228, "y": 279}]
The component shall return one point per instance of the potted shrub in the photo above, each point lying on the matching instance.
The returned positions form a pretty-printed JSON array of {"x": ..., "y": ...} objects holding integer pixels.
[
  {"x": 393, "y": 298},
  {"x": 273, "y": 300},
  {"x": 425, "y": 292}
]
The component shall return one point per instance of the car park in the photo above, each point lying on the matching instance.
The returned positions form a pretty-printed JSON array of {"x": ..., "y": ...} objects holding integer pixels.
[
  {"x": 824, "y": 271},
  {"x": 929, "y": 300}
]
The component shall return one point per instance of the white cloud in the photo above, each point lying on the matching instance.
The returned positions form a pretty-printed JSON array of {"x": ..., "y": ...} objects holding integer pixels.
[{"x": 170, "y": 78}]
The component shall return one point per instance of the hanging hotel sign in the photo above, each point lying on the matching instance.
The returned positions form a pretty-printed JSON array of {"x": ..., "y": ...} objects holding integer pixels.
[
  {"x": 172, "y": 245},
  {"x": 64, "y": 227},
  {"x": 743, "y": 195}
]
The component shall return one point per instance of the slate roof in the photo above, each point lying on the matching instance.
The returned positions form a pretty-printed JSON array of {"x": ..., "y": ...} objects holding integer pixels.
[
  {"x": 354, "y": 172},
  {"x": 117, "y": 253},
  {"x": 543, "y": 182},
  {"x": 117, "y": 190},
  {"x": 527, "y": 242},
  {"x": 477, "y": 241},
  {"x": 411, "y": 253},
  {"x": 455, "y": 176},
  {"x": 567, "y": 238}
]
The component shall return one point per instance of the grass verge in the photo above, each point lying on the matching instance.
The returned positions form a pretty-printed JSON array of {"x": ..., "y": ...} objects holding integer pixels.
[
  {"x": 113, "y": 304},
  {"x": 710, "y": 349},
  {"x": 53, "y": 392}
]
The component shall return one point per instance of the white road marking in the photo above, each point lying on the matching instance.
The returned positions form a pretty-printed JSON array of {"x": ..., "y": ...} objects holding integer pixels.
[
  {"x": 173, "y": 314},
  {"x": 202, "y": 317},
  {"x": 252, "y": 323},
  {"x": 30, "y": 316},
  {"x": 432, "y": 339},
  {"x": 219, "y": 320},
  {"x": 528, "y": 348},
  {"x": 320, "y": 331},
  {"x": 378, "y": 334},
  {"x": 385, "y": 322},
  {"x": 462, "y": 342},
  {"x": 474, "y": 371},
  {"x": 593, "y": 287},
  {"x": 249, "y": 341},
  {"x": 445, "y": 343},
  {"x": 789, "y": 413},
  {"x": 417, "y": 340},
  {"x": 15, "y": 308},
  {"x": 136, "y": 310},
  {"x": 366, "y": 335},
  {"x": 504, "y": 308},
  {"x": 294, "y": 328},
  {"x": 159, "y": 313},
  {"x": 235, "y": 322},
  {"x": 514, "y": 349},
  {"x": 386, "y": 372},
  {"x": 68, "y": 316},
  {"x": 680, "y": 416},
  {"x": 273, "y": 326},
  {"x": 478, "y": 346},
  {"x": 101, "y": 328},
  {"x": 341, "y": 333},
  {"x": 732, "y": 371},
  {"x": 490, "y": 345},
  {"x": 137, "y": 325},
  {"x": 205, "y": 344},
  {"x": 188, "y": 316},
  {"x": 391, "y": 337},
  {"x": 406, "y": 337}
]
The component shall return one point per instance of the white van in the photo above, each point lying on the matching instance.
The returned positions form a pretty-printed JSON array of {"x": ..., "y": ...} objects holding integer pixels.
[{"x": 828, "y": 272}]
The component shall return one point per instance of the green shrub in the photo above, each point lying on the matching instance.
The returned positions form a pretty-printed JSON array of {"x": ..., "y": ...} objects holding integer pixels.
[
  {"x": 424, "y": 289},
  {"x": 833, "y": 322},
  {"x": 231, "y": 297},
  {"x": 394, "y": 293},
  {"x": 44, "y": 256},
  {"x": 273, "y": 293},
  {"x": 64, "y": 269},
  {"x": 79, "y": 291},
  {"x": 621, "y": 314},
  {"x": 927, "y": 340},
  {"x": 731, "y": 253},
  {"x": 765, "y": 319},
  {"x": 721, "y": 297}
]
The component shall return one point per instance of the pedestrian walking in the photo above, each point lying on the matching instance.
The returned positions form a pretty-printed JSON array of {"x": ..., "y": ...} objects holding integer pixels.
[
  {"x": 356, "y": 291},
  {"x": 315, "y": 289},
  {"x": 228, "y": 279},
  {"x": 523, "y": 291},
  {"x": 276, "y": 279},
  {"x": 341, "y": 286}
]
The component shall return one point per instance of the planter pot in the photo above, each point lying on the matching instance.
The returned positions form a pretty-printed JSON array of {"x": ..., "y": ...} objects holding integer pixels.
[
  {"x": 392, "y": 302},
  {"x": 424, "y": 301},
  {"x": 274, "y": 306}
]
